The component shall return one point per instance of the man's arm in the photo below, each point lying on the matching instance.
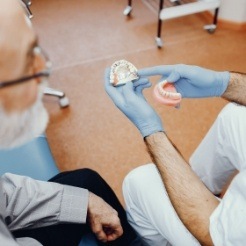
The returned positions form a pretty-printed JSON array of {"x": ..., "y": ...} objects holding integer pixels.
[
  {"x": 193, "y": 202},
  {"x": 30, "y": 203},
  {"x": 236, "y": 89},
  {"x": 6, "y": 238},
  {"x": 198, "y": 82}
]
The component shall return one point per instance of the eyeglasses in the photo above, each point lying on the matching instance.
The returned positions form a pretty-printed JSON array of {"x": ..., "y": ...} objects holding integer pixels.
[
  {"x": 26, "y": 5},
  {"x": 45, "y": 73}
]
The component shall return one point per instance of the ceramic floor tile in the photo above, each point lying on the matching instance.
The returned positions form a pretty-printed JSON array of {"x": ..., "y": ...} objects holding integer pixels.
[{"x": 83, "y": 38}]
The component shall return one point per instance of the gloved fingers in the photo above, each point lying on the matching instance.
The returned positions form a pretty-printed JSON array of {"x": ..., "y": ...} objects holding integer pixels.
[
  {"x": 158, "y": 70},
  {"x": 173, "y": 77},
  {"x": 189, "y": 71},
  {"x": 140, "y": 81},
  {"x": 128, "y": 91},
  {"x": 140, "y": 88},
  {"x": 112, "y": 91},
  {"x": 179, "y": 89},
  {"x": 107, "y": 77}
]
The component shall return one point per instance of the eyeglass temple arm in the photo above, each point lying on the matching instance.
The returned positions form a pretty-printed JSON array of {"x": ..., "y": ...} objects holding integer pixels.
[
  {"x": 52, "y": 92},
  {"x": 63, "y": 100},
  {"x": 27, "y": 8}
]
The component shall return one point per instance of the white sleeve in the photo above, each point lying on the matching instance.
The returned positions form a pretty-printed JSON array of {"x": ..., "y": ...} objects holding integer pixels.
[{"x": 228, "y": 221}]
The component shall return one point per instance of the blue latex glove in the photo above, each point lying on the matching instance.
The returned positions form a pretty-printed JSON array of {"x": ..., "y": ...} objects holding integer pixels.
[
  {"x": 130, "y": 100},
  {"x": 191, "y": 81}
]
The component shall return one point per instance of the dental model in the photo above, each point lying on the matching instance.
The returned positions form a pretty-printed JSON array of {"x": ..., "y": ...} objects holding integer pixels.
[
  {"x": 122, "y": 72},
  {"x": 166, "y": 93}
]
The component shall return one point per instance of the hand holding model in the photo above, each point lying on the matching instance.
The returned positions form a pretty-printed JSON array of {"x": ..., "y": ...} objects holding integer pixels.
[
  {"x": 188, "y": 81},
  {"x": 191, "y": 81},
  {"x": 130, "y": 100}
]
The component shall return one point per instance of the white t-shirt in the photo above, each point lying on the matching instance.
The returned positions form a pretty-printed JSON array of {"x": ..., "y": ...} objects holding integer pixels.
[{"x": 228, "y": 221}]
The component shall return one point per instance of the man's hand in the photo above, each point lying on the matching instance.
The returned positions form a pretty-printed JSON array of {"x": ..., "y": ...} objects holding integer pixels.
[
  {"x": 191, "y": 81},
  {"x": 103, "y": 219},
  {"x": 130, "y": 100}
]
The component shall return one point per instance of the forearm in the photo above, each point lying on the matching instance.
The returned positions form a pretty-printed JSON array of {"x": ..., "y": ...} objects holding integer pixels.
[
  {"x": 6, "y": 238},
  {"x": 30, "y": 203},
  {"x": 193, "y": 202},
  {"x": 236, "y": 89}
]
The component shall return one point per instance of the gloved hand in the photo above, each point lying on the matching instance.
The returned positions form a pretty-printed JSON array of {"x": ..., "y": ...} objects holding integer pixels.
[
  {"x": 191, "y": 81},
  {"x": 130, "y": 100}
]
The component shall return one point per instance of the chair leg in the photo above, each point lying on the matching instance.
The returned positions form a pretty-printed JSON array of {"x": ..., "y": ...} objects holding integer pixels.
[
  {"x": 158, "y": 40},
  {"x": 63, "y": 100},
  {"x": 212, "y": 27},
  {"x": 216, "y": 16},
  {"x": 127, "y": 11},
  {"x": 176, "y": 2}
]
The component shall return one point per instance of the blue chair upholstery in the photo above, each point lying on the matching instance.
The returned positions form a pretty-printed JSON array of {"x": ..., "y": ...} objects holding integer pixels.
[{"x": 35, "y": 160}]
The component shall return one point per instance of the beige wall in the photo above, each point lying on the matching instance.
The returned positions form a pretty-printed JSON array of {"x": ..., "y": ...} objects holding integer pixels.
[{"x": 233, "y": 10}]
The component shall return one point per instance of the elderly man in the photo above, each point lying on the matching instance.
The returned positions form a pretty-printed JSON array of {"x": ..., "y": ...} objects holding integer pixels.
[
  {"x": 34, "y": 212},
  {"x": 169, "y": 202}
]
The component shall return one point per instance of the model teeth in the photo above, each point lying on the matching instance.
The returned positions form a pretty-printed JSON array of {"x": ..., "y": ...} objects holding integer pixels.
[
  {"x": 167, "y": 94},
  {"x": 122, "y": 72}
]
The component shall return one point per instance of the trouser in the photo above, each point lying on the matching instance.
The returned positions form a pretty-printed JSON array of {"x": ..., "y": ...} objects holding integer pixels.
[
  {"x": 221, "y": 152},
  {"x": 71, "y": 234}
]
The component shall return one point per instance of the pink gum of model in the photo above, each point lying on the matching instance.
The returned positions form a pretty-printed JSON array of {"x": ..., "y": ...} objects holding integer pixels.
[{"x": 166, "y": 100}]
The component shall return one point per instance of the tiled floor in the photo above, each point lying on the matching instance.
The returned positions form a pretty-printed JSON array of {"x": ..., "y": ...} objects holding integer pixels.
[{"x": 83, "y": 38}]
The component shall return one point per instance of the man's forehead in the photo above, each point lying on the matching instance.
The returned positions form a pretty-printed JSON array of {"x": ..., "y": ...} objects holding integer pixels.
[
  {"x": 12, "y": 17},
  {"x": 16, "y": 36},
  {"x": 9, "y": 8}
]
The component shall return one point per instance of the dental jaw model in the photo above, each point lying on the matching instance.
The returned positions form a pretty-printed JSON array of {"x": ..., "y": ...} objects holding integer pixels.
[
  {"x": 166, "y": 93},
  {"x": 122, "y": 72}
]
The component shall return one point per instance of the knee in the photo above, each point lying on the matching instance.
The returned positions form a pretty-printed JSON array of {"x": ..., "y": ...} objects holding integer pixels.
[
  {"x": 88, "y": 177},
  {"x": 231, "y": 121},
  {"x": 135, "y": 182},
  {"x": 87, "y": 172},
  {"x": 136, "y": 176},
  {"x": 144, "y": 192},
  {"x": 232, "y": 113}
]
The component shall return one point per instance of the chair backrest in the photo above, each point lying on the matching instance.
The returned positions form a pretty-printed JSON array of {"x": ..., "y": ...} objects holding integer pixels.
[{"x": 33, "y": 159}]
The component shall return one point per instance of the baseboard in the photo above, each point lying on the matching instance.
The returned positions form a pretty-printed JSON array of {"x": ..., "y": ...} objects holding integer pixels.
[{"x": 225, "y": 23}]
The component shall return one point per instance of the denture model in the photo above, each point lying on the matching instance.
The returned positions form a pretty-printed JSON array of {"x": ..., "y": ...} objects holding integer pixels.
[
  {"x": 122, "y": 72},
  {"x": 166, "y": 94}
]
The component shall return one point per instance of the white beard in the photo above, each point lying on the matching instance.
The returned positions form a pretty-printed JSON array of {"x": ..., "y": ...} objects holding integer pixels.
[{"x": 17, "y": 129}]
